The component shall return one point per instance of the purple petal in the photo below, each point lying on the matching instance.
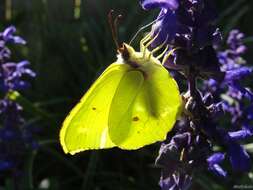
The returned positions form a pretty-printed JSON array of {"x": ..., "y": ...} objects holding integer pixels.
[
  {"x": 241, "y": 49},
  {"x": 9, "y": 32},
  {"x": 165, "y": 27},
  {"x": 21, "y": 70},
  {"x": 167, "y": 4},
  {"x": 23, "y": 64},
  {"x": 212, "y": 85},
  {"x": 18, "y": 40},
  {"x": 216, "y": 158},
  {"x": 30, "y": 73},
  {"x": 213, "y": 164},
  {"x": 241, "y": 134},
  {"x": 218, "y": 170}
]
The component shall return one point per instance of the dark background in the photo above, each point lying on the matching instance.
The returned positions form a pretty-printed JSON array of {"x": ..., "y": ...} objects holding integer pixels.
[{"x": 68, "y": 51}]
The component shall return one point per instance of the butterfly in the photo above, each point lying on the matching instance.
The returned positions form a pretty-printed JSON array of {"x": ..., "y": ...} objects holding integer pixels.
[{"x": 134, "y": 102}]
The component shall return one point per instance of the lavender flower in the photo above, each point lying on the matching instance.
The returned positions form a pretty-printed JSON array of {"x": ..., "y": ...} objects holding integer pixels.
[
  {"x": 188, "y": 27},
  {"x": 14, "y": 135},
  {"x": 187, "y": 23}
]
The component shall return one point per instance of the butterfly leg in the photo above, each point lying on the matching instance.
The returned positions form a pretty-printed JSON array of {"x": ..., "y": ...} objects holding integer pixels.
[
  {"x": 166, "y": 57},
  {"x": 164, "y": 51},
  {"x": 145, "y": 46},
  {"x": 144, "y": 40},
  {"x": 160, "y": 47}
]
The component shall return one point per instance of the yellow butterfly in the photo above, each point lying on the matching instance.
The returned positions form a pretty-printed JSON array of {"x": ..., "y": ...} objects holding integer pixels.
[{"x": 135, "y": 102}]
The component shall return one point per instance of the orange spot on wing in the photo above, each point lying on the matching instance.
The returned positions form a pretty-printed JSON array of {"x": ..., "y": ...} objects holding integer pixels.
[{"x": 136, "y": 118}]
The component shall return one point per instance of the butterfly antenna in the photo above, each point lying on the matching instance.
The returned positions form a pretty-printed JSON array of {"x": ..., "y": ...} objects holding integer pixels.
[
  {"x": 143, "y": 28},
  {"x": 114, "y": 26}
]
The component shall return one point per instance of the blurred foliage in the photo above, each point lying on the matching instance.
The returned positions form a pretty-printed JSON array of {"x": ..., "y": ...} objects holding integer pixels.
[{"x": 68, "y": 51}]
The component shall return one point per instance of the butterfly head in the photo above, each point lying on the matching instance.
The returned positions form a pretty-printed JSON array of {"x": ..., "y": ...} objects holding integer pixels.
[
  {"x": 134, "y": 58},
  {"x": 125, "y": 51},
  {"x": 129, "y": 56}
]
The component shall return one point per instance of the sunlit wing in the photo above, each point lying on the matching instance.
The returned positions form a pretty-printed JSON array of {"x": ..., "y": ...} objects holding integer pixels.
[
  {"x": 86, "y": 127},
  {"x": 146, "y": 111}
]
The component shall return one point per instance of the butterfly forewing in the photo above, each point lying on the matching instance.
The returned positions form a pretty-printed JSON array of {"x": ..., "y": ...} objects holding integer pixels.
[{"x": 86, "y": 127}]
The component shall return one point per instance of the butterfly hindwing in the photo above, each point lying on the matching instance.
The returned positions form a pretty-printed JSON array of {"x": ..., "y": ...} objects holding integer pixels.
[{"x": 144, "y": 108}]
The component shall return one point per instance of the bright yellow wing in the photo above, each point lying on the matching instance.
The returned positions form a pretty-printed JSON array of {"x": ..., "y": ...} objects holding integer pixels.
[
  {"x": 86, "y": 127},
  {"x": 144, "y": 108}
]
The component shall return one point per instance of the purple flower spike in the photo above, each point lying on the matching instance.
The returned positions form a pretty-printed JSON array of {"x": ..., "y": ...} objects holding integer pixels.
[
  {"x": 13, "y": 132},
  {"x": 188, "y": 26}
]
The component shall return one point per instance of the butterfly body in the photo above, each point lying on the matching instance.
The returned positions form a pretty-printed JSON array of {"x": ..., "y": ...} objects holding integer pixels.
[{"x": 133, "y": 103}]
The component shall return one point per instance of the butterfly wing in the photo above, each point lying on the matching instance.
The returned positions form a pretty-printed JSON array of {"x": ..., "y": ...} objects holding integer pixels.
[
  {"x": 144, "y": 108},
  {"x": 86, "y": 127}
]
